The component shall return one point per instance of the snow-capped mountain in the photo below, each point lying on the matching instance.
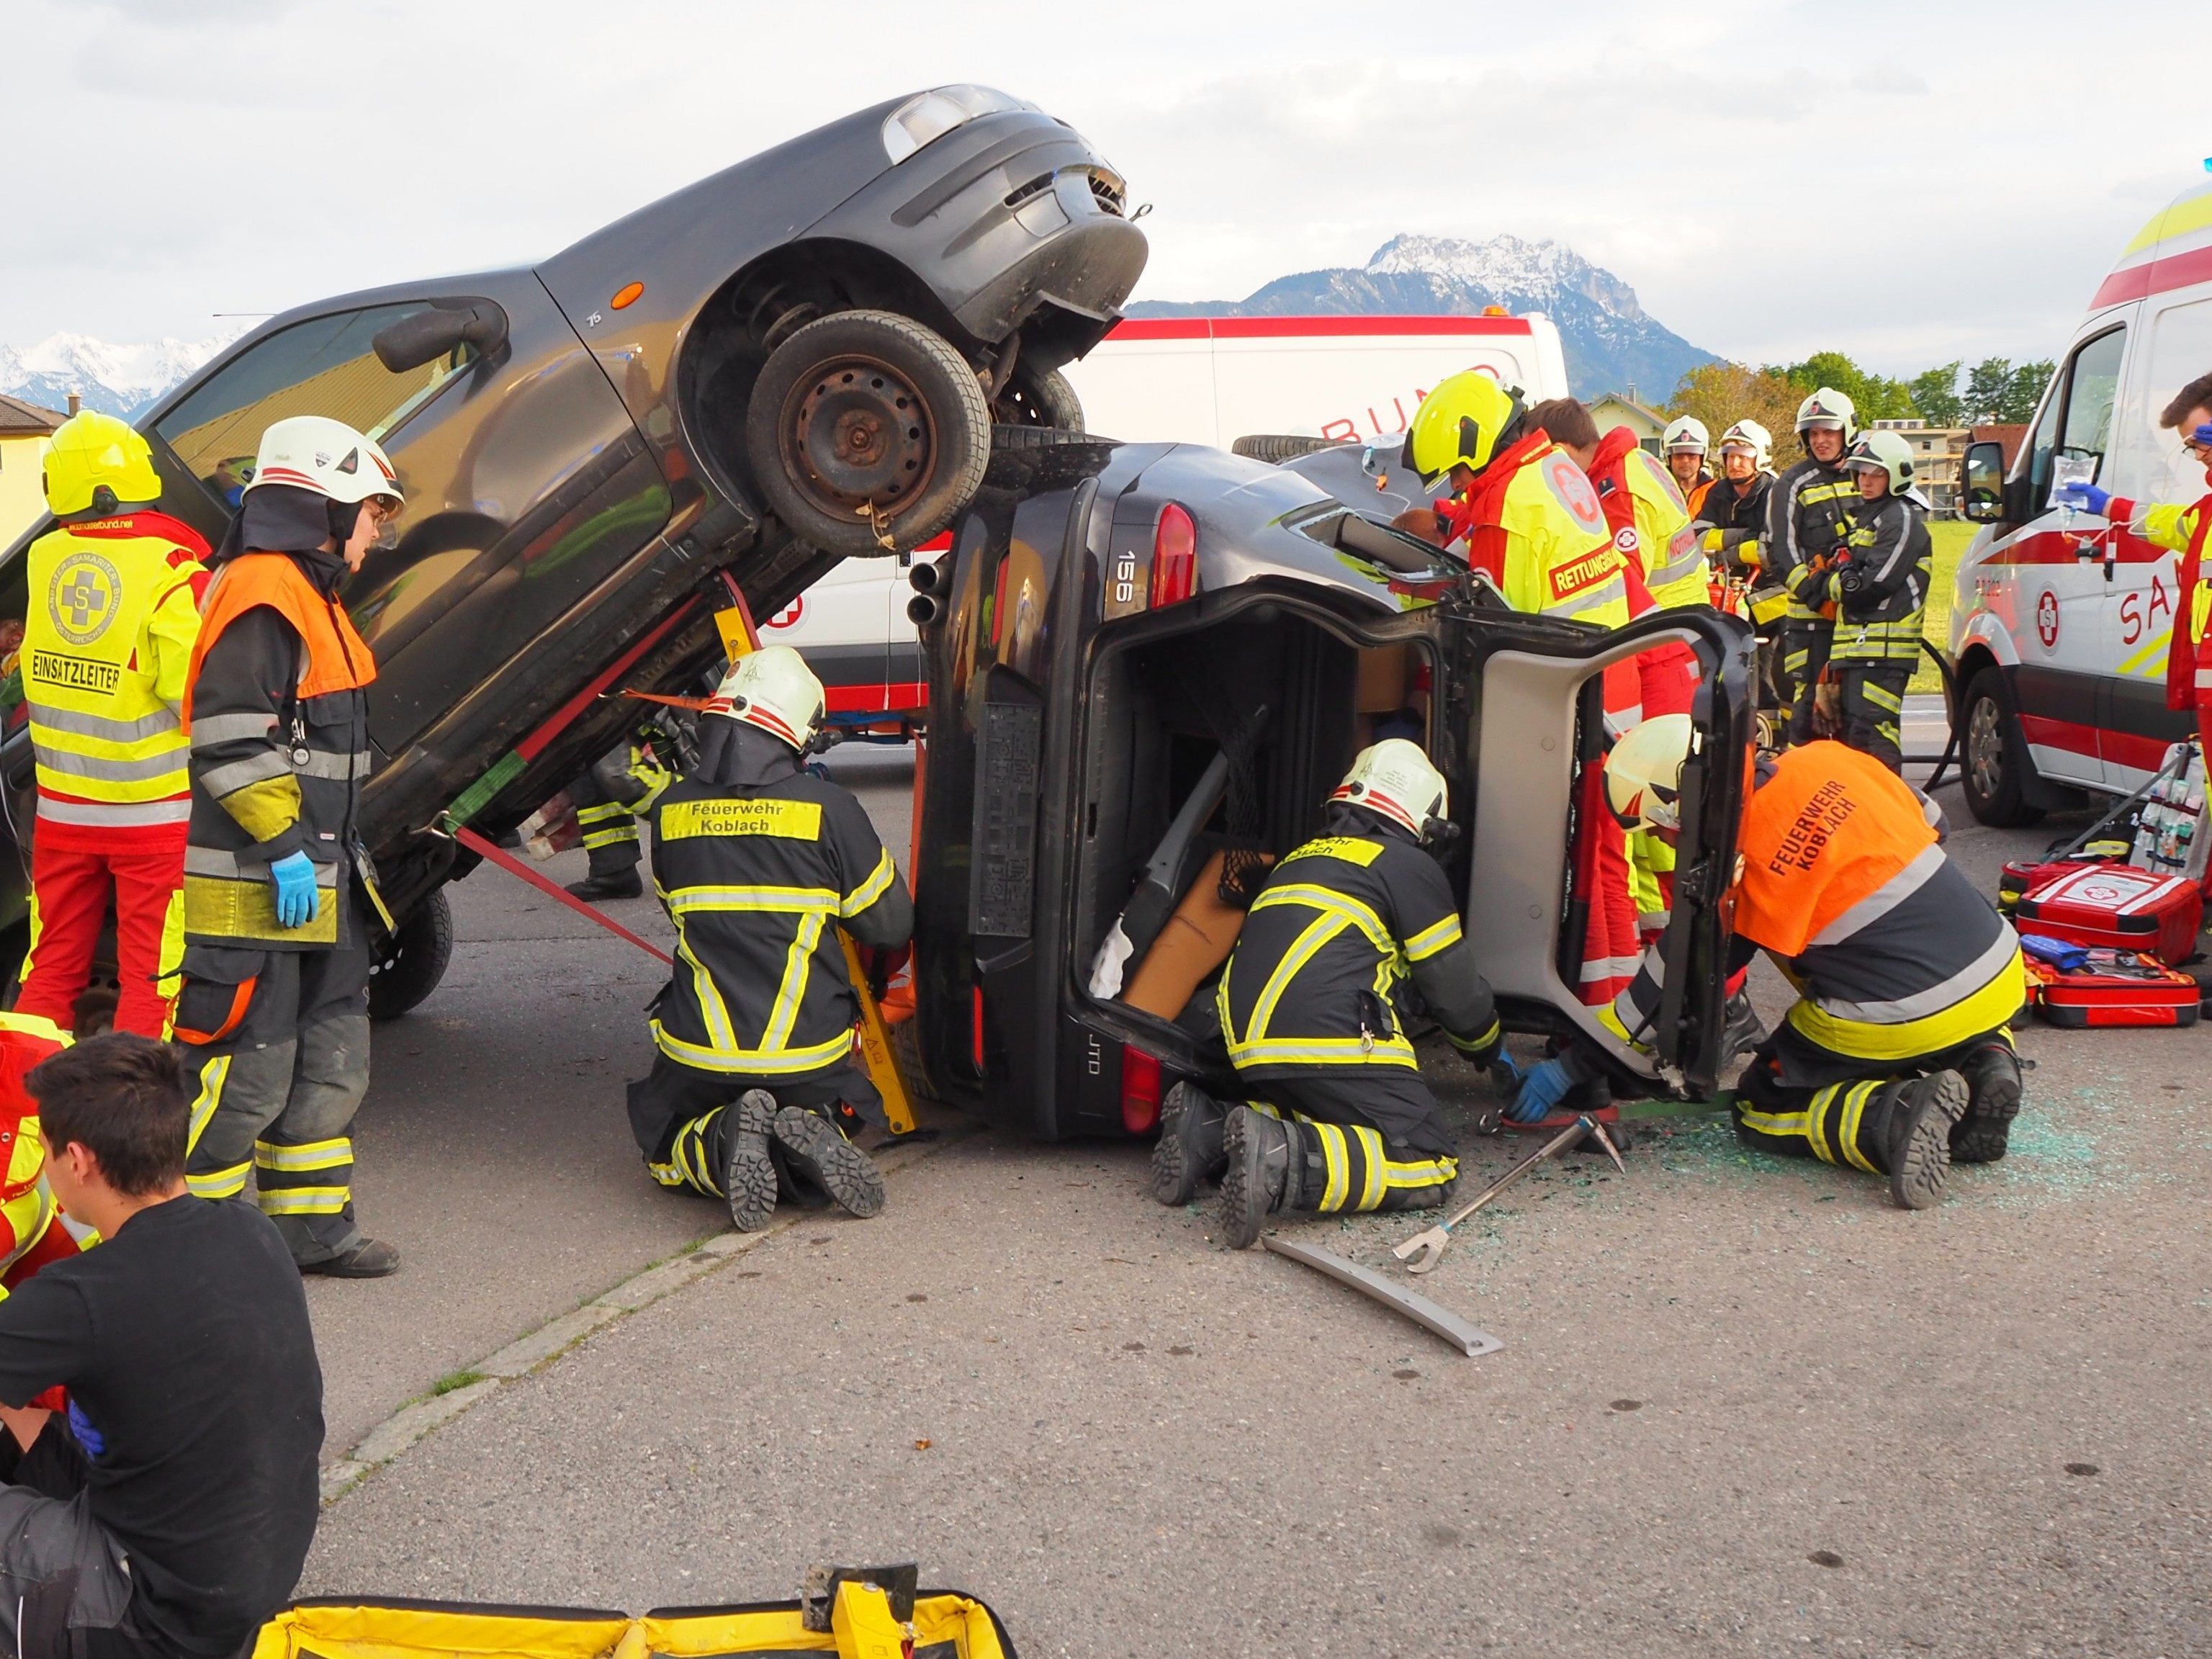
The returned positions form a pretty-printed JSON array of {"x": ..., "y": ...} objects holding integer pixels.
[
  {"x": 1611, "y": 343},
  {"x": 122, "y": 380}
]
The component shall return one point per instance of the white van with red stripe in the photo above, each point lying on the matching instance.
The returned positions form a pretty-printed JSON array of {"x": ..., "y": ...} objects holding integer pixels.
[
  {"x": 2059, "y": 622},
  {"x": 1215, "y": 380},
  {"x": 1181, "y": 380}
]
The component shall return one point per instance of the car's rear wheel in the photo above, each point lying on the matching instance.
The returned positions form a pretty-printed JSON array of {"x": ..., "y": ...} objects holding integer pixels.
[
  {"x": 1995, "y": 770},
  {"x": 1275, "y": 447},
  {"x": 1038, "y": 398},
  {"x": 866, "y": 433},
  {"x": 409, "y": 963}
]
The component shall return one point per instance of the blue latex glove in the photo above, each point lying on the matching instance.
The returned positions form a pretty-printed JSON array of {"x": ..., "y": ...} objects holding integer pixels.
[
  {"x": 2203, "y": 436},
  {"x": 1505, "y": 1072},
  {"x": 1541, "y": 1094},
  {"x": 2086, "y": 496},
  {"x": 94, "y": 1441},
  {"x": 294, "y": 876}
]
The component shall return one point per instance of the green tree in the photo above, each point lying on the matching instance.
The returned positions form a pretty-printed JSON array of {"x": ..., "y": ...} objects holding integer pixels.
[
  {"x": 2023, "y": 390},
  {"x": 1721, "y": 394},
  {"x": 1989, "y": 387},
  {"x": 1935, "y": 395},
  {"x": 1875, "y": 397}
]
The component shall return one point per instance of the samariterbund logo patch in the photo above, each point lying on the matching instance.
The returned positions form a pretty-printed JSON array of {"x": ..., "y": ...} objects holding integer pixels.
[{"x": 1569, "y": 579}]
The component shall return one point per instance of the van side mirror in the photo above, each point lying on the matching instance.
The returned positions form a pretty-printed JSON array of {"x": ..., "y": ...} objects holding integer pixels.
[
  {"x": 439, "y": 332},
  {"x": 1981, "y": 483}
]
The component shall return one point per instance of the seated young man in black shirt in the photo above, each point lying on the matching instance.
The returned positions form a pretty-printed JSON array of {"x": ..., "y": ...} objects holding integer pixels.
[{"x": 169, "y": 1513}]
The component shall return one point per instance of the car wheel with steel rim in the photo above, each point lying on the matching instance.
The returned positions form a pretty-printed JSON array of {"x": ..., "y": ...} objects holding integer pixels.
[
  {"x": 1995, "y": 772},
  {"x": 866, "y": 433}
]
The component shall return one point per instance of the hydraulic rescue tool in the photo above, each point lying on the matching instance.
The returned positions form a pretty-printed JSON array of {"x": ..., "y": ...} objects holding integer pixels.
[{"x": 1424, "y": 1250}]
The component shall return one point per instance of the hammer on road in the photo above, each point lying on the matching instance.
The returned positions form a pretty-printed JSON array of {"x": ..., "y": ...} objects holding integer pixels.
[{"x": 1425, "y": 1250}]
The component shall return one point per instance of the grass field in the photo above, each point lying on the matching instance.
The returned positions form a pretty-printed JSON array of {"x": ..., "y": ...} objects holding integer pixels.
[{"x": 1950, "y": 537}]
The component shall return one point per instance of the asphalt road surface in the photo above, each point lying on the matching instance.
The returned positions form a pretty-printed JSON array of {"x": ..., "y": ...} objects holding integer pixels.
[{"x": 1743, "y": 1403}]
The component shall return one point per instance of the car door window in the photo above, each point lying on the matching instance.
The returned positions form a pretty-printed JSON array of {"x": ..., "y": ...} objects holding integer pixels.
[
  {"x": 2092, "y": 385},
  {"x": 2043, "y": 443},
  {"x": 325, "y": 366}
]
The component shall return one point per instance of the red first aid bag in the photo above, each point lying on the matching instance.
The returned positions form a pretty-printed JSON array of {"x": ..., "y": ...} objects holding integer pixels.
[
  {"x": 2098, "y": 994},
  {"x": 2116, "y": 907}
]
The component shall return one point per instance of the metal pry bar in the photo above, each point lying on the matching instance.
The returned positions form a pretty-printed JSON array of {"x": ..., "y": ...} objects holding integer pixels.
[{"x": 1470, "y": 1340}]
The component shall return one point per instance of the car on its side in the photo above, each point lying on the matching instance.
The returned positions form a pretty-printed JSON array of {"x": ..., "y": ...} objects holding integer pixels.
[
  {"x": 1111, "y": 621},
  {"x": 801, "y": 358}
]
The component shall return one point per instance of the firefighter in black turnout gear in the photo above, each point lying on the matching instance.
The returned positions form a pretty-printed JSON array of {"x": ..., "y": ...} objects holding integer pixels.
[
  {"x": 1880, "y": 590},
  {"x": 1340, "y": 1119},
  {"x": 760, "y": 862},
  {"x": 1811, "y": 505},
  {"x": 273, "y": 1010}
]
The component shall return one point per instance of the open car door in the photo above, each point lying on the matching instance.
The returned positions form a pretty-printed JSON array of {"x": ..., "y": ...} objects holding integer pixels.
[{"x": 1534, "y": 723}]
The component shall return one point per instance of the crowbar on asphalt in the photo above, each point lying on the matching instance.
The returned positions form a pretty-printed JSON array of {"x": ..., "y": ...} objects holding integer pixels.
[
  {"x": 1470, "y": 1340},
  {"x": 1425, "y": 1250}
]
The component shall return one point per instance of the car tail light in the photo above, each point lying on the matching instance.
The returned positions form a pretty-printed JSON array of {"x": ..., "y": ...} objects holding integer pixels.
[
  {"x": 975, "y": 1030},
  {"x": 1175, "y": 557},
  {"x": 1140, "y": 1091}
]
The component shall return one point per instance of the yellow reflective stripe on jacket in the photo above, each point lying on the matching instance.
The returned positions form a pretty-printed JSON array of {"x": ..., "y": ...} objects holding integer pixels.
[
  {"x": 682, "y": 901},
  {"x": 1853, "y": 1033},
  {"x": 28, "y": 1214},
  {"x": 1316, "y": 933},
  {"x": 1361, "y": 915},
  {"x": 725, "y": 1051},
  {"x": 878, "y": 884},
  {"x": 1324, "y": 1051},
  {"x": 752, "y": 1062},
  {"x": 1430, "y": 940}
]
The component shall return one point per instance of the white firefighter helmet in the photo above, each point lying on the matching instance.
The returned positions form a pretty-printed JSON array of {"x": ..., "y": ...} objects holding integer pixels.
[
  {"x": 313, "y": 451},
  {"x": 1686, "y": 432},
  {"x": 1883, "y": 451},
  {"x": 1749, "y": 434},
  {"x": 1643, "y": 773},
  {"x": 1395, "y": 779},
  {"x": 774, "y": 689},
  {"x": 1829, "y": 407}
]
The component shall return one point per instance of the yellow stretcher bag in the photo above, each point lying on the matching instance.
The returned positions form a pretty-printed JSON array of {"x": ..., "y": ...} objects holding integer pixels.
[{"x": 854, "y": 1618}]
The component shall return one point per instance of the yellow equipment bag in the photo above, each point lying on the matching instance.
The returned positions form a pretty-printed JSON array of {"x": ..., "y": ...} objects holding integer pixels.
[{"x": 857, "y": 1621}]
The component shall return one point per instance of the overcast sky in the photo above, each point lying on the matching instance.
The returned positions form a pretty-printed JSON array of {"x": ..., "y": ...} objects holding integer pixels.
[{"x": 1905, "y": 182}]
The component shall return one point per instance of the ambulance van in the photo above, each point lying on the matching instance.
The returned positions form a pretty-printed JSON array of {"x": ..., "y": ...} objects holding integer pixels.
[{"x": 2059, "y": 624}]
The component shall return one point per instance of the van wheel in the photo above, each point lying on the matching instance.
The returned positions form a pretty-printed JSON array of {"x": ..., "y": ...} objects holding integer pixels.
[
  {"x": 409, "y": 964},
  {"x": 1994, "y": 769},
  {"x": 1039, "y": 398},
  {"x": 865, "y": 422}
]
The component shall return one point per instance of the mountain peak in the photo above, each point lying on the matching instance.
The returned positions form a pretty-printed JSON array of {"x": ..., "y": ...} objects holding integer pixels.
[{"x": 117, "y": 379}]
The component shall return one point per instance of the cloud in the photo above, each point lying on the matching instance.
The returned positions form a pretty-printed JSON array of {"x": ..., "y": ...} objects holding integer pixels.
[{"x": 1757, "y": 182}]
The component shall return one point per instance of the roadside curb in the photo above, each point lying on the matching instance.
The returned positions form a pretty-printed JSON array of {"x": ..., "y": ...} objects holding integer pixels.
[{"x": 535, "y": 1350}]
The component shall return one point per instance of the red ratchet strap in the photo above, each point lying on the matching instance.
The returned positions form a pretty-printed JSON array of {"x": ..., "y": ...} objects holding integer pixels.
[{"x": 514, "y": 867}]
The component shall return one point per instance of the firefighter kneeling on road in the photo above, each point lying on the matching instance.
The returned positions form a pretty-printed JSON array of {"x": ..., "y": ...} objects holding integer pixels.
[
  {"x": 1897, "y": 1056},
  {"x": 1343, "y": 1121},
  {"x": 759, "y": 863}
]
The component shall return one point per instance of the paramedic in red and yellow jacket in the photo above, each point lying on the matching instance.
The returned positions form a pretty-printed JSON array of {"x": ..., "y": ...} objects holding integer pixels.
[{"x": 2181, "y": 530}]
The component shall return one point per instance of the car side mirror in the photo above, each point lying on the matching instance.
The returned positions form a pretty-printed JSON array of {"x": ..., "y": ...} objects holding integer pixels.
[
  {"x": 439, "y": 332},
  {"x": 1981, "y": 492}
]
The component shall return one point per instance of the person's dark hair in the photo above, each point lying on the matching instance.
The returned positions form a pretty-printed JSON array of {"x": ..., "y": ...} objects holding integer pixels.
[
  {"x": 121, "y": 1096},
  {"x": 2198, "y": 394},
  {"x": 1567, "y": 421}
]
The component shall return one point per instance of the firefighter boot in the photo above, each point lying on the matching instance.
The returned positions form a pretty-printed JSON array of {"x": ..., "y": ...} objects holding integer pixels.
[
  {"x": 1189, "y": 1149},
  {"x": 821, "y": 1153},
  {"x": 1992, "y": 1074},
  {"x": 1270, "y": 1166},
  {"x": 1916, "y": 1138},
  {"x": 622, "y": 884},
  {"x": 748, "y": 1172}
]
